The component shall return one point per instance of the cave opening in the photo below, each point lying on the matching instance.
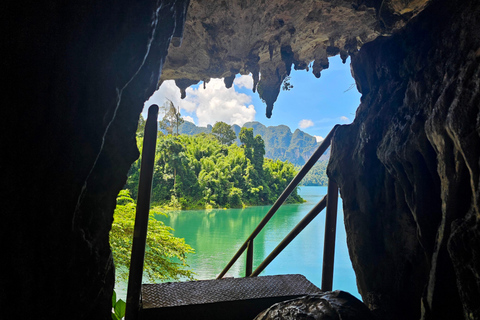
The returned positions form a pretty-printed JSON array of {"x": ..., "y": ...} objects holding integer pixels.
[
  {"x": 311, "y": 105},
  {"x": 418, "y": 77}
]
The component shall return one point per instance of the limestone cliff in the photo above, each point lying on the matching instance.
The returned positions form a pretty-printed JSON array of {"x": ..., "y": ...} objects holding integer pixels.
[
  {"x": 265, "y": 38},
  {"x": 408, "y": 167}
]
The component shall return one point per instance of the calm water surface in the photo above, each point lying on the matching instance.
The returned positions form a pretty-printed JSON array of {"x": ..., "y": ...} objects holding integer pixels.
[{"x": 217, "y": 234}]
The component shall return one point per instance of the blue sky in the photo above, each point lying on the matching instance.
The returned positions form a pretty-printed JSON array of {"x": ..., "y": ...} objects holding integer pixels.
[{"x": 312, "y": 105}]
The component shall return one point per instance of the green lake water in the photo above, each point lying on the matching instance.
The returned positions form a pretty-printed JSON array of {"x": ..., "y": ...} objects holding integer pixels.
[{"x": 217, "y": 234}]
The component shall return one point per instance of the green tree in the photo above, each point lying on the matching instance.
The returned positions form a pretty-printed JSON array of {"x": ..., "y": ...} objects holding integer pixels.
[
  {"x": 258, "y": 153},
  {"x": 278, "y": 175},
  {"x": 172, "y": 118},
  {"x": 317, "y": 176},
  {"x": 254, "y": 148},
  {"x": 173, "y": 176},
  {"x": 246, "y": 138},
  {"x": 141, "y": 126},
  {"x": 224, "y": 133},
  {"x": 198, "y": 171},
  {"x": 165, "y": 255}
]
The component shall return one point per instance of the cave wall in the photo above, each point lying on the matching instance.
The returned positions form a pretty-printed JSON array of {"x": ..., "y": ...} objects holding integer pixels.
[
  {"x": 77, "y": 75},
  {"x": 408, "y": 167}
]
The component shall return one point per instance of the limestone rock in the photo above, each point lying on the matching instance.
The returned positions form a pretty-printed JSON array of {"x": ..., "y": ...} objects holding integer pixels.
[
  {"x": 408, "y": 167},
  {"x": 224, "y": 38},
  {"x": 78, "y": 74},
  {"x": 336, "y": 305}
]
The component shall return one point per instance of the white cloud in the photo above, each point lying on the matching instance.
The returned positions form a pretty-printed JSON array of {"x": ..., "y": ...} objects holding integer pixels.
[
  {"x": 168, "y": 90},
  {"x": 244, "y": 81},
  {"x": 217, "y": 103},
  {"x": 209, "y": 105},
  {"x": 344, "y": 119},
  {"x": 305, "y": 123},
  {"x": 319, "y": 138},
  {"x": 189, "y": 119}
]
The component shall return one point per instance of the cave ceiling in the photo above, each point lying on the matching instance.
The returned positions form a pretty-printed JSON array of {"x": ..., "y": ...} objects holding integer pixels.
[{"x": 268, "y": 38}]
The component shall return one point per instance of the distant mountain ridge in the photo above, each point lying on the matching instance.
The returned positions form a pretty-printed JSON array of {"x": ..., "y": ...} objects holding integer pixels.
[{"x": 280, "y": 142}]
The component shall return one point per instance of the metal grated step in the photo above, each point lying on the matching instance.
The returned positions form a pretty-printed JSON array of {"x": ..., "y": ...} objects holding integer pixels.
[{"x": 240, "y": 298}]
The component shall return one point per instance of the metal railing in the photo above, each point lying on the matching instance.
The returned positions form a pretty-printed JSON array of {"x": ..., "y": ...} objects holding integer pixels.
[
  {"x": 330, "y": 201},
  {"x": 141, "y": 215},
  {"x": 143, "y": 205}
]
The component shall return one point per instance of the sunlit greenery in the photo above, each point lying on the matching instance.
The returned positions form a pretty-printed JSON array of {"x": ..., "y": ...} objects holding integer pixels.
[
  {"x": 165, "y": 255},
  {"x": 200, "y": 172},
  {"x": 224, "y": 133},
  {"x": 317, "y": 176}
]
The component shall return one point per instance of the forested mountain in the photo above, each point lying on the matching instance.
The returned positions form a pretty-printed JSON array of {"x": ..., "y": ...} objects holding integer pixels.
[
  {"x": 198, "y": 171},
  {"x": 190, "y": 128},
  {"x": 280, "y": 142}
]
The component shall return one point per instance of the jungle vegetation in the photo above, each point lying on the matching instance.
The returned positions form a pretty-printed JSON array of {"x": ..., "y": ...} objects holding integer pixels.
[
  {"x": 165, "y": 255},
  {"x": 209, "y": 171},
  {"x": 280, "y": 142},
  {"x": 205, "y": 170}
]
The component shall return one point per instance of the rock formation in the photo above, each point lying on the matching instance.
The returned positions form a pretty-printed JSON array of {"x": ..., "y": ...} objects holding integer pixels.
[
  {"x": 77, "y": 77},
  {"x": 265, "y": 38},
  {"x": 78, "y": 74},
  {"x": 336, "y": 305},
  {"x": 408, "y": 167}
]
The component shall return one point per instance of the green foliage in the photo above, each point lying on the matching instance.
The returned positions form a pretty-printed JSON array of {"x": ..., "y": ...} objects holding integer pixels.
[
  {"x": 141, "y": 126},
  {"x": 246, "y": 137},
  {"x": 278, "y": 175},
  {"x": 165, "y": 255},
  {"x": 200, "y": 172},
  {"x": 254, "y": 149},
  {"x": 118, "y": 307},
  {"x": 258, "y": 153},
  {"x": 280, "y": 142},
  {"x": 317, "y": 176},
  {"x": 224, "y": 133}
]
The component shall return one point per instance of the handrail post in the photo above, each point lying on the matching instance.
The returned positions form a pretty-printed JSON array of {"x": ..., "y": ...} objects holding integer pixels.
[
  {"x": 288, "y": 190},
  {"x": 330, "y": 230},
  {"x": 249, "y": 263},
  {"x": 289, "y": 238},
  {"x": 142, "y": 215}
]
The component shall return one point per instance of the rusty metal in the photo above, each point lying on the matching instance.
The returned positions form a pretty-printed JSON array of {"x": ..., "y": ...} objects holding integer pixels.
[
  {"x": 293, "y": 184},
  {"x": 142, "y": 214},
  {"x": 330, "y": 231},
  {"x": 289, "y": 238},
  {"x": 249, "y": 263}
]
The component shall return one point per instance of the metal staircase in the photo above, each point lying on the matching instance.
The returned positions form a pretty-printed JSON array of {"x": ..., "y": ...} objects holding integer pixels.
[
  {"x": 224, "y": 298},
  {"x": 229, "y": 298}
]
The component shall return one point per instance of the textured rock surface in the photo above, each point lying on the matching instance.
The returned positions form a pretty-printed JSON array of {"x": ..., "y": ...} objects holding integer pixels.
[
  {"x": 408, "y": 167},
  {"x": 223, "y": 38},
  {"x": 336, "y": 305},
  {"x": 78, "y": 75}
]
